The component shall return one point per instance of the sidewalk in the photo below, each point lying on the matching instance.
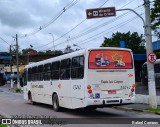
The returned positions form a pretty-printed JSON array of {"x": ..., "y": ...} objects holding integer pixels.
[
  {"x": 136, "y": 107},
  {"x": 7, "y": 88}
]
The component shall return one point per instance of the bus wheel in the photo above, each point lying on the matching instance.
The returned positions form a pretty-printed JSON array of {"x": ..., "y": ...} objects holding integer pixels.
[
  {"x": 30, "y": 99},
  {"x": 55, "y": 103}
]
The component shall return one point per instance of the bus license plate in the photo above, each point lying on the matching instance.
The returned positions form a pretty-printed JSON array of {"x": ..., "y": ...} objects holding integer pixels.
[{"x": 111, "y": 91}]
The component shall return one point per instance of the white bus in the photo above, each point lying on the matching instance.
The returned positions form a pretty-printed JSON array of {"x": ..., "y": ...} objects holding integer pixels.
[{"x": 89, "y": 78}]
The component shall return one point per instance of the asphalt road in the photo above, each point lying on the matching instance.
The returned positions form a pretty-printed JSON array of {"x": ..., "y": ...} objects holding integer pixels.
[{"x": 13, "y": 105}]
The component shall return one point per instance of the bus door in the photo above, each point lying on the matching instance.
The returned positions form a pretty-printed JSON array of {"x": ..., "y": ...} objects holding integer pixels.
[{"x": 77, "y": 81}]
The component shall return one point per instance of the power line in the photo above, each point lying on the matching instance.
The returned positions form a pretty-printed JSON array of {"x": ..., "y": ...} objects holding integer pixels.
[
  {"x": 4, "y": 41},
  {"x": 67, "y": 7},
  {"x": 118, "y": 26},
  {"x": 91, "y": 30},
  {"x": 71, "y": 29},
  {"x": 97, "y": 27},
  {"x": 104, "y": 18}
]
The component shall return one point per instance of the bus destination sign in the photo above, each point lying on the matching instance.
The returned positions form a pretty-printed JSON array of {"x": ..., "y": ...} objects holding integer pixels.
[{"x": 100, "y": 12}]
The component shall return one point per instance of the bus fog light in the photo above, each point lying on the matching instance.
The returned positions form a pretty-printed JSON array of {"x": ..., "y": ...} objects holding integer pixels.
[
  {"x": 132, "y": 90},
  {"x": 89, "y": 87},
  {"x": 89, "y": 91}
]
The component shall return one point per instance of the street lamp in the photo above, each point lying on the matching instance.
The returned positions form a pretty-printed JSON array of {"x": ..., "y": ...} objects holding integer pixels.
[{"x": 53, "y": 42}]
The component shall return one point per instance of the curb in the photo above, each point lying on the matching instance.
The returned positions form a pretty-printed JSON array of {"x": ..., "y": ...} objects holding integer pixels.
[{"x": 138, "y": 110}]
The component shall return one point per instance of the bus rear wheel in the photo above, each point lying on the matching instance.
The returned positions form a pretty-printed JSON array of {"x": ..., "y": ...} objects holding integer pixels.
[
  {"x": 55, "y": 103},
  {"x": 30, "y": 99}
]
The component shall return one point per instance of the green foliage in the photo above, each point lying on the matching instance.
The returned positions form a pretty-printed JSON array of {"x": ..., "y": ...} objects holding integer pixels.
[
  {"x": 158, "y": 55},
  {"x": 132, "y": 41},
  {"x": 155, "y": 17},
  {"x": 157, "y": 110},
  {"x": 25, "y": 51},
  {"x": 2, "y": 125},
  {"x": 18, "y": 90},
  {"x": 41, "y": 53},
  {"x": 49, "y": 52}
]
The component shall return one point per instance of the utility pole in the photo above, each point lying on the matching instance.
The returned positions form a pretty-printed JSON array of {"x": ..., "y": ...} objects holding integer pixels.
[
  {"x": 11, "y": 58},
  {"x": 18, "y": 85},
  {"x": 152, "y": 100},
  {"x": 11, "y": 75},
  {"x": 149, "y": 49}
]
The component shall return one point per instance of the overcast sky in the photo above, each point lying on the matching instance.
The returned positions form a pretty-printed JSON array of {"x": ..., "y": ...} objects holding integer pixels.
[{"x": 66, "y": 22}]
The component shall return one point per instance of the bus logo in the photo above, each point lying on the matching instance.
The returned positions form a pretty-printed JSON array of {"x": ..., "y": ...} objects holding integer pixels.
[
  {"x": 130, "y": 75},
  {"x": 59, "y": 86}
]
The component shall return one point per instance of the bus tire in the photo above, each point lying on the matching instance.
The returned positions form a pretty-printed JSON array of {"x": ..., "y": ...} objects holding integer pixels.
[
  {"x": 30, "y": 99},
  {"x": 55, "y": 103}
]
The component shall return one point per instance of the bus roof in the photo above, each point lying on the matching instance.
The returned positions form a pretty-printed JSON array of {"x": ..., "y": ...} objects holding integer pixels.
[{"x": 76, "y": 53}]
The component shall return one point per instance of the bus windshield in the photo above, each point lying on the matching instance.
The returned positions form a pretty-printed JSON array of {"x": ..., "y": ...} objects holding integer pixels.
[{"x": 110, "y": 59}]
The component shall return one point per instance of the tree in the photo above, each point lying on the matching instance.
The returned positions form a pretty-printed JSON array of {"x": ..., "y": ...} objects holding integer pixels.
[
  {"x": 49, "y": 52},
  {"x": 41, "y": 53},
  {"x": 25, "y": 51},
  {"x": 155, "y": 18},
  {"x": 132, "y": 41}
]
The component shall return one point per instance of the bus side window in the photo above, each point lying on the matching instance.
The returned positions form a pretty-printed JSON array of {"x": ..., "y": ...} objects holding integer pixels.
[
  {"x": 34, "y": 73},
  {"x": 47, "y": 71},
  {"x": 25, "y": 75},
  {"x": 40, "y": 72},
  {"x": 55, "y": 70},
  {"x": 81, "y": 70},
  {"x": 77, "y": 67},
  {"x": 65, "y": 69},
  {"x": 30, "y": 74}
]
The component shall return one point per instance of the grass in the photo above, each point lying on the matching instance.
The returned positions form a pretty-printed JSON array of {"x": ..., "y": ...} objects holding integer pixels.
[
  {"x": 156, "y": 110},
  {"x": 3, "y": 125}
]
